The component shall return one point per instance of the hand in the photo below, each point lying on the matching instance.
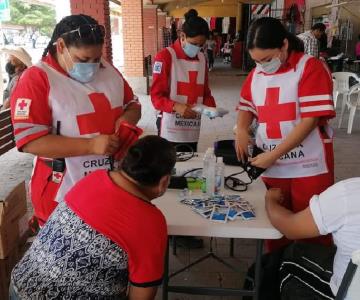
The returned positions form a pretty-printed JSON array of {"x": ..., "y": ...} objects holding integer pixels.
[
  {"x": 104, "y": 144},
  {"x": 263, "y": 160},
  {"x": 274, "y": 195},
  {"x": 241, "y": 144},
  {"x": 185, "y": 110}
]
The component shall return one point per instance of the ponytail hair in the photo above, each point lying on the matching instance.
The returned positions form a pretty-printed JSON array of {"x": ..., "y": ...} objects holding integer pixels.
[
  {"x": 269, "y": 33},
  {"x": 66, "y": 25},
  {"x": 195, "y": 25}
]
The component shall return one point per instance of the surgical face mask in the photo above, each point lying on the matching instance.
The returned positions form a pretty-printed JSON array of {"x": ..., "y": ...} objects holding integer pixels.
[
  {"x": 191, "y": 50},
  {"x": 271, "y": 66},
  {"x": 83, "y": 72},
  {"x": 10, "y": 68}
]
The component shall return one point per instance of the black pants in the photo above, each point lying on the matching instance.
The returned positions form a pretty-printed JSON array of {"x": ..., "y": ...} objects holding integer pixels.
[
  {"x": 210, "y": 54},
  {"x": 180, "y": 147},
  {"x": 302, "y": 266}
]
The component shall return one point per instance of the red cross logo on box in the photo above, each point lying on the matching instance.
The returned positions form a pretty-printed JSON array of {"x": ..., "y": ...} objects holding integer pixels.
[
  {"x": 272, "y": 113},
  {"x": 191, "y": 89},
  {"x": 102, "y": 120}
]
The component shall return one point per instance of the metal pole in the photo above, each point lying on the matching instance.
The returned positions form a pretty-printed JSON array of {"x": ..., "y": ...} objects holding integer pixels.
[
  {"x": 347, "y": 36},
  {"x": 166, "y": 274},
  {"x": 259, "y": 251}
]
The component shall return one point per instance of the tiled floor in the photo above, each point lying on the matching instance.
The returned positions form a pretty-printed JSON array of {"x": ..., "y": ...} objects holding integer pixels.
[{"x": 225, "y": 84}]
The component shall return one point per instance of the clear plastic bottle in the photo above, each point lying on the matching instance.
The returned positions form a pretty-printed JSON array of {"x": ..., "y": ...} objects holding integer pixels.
[
  {"x": 205, "y": 170},
  {"x": 219, "y": 176},
  {"x": 210, "y": 173}
]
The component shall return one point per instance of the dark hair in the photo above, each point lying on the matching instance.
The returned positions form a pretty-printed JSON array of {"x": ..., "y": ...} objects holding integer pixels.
[
  {"x": 319, "y": 26},
  {"x": 149, "y": 159},
  {"x": 269, "y": 33},
  {"x": 195, "y": 25},
  {"x": 73, "y": 39}
]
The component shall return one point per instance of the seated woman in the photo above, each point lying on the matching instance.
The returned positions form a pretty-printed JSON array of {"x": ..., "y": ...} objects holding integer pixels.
[{"x": 104, "y": 234}]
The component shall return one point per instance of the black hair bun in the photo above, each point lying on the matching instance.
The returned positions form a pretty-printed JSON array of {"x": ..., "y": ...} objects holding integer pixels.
[{"x": 192, "y": 13}]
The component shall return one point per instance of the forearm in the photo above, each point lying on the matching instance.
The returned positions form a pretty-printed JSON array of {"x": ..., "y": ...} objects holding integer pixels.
[
  {"x": 56, "y": 146},
  {"x": 164, "y": 104},
  {"x": 244, "y": 120},
  {"x": 132, "y": 114},
  {"x": 296, "y": 136},
  {"x": 294, "y": 226},
  {"x": 138, "y": 293},
  {"x": 280, "y": 218}
]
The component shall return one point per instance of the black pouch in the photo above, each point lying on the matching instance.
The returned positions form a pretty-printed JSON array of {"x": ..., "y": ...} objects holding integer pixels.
[
  {"x": 254, "y": 172},
  {"x": 226, "y": 149},
  {"x": 58, "y": 165},
  {"x": 178, "y": 182}
]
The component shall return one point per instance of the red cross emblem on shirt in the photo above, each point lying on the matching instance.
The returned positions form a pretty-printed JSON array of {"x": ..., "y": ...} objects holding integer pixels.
[
  {"x": 57, "y": 177},
  {"x": 103, "y": 118},
  {"x": 272, "y": 113},
  {"x": 22, "y": 104},
  {"x": 191, "y": 89}
]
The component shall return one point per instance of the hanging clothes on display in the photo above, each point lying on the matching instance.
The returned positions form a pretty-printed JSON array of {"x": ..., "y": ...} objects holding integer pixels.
[
  {"x": 232, "y": 28},
  {"x": 208, "y": 19},
  {"x": 225, "y": 25},
  {"x": 212, "y": 23},
  {"x": 219, "y": 28}
]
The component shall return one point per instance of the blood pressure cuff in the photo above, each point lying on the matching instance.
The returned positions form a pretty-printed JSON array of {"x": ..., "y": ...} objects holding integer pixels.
[
  {"x": 226, "y": 150},
  {"x": 128, "y": 135}
]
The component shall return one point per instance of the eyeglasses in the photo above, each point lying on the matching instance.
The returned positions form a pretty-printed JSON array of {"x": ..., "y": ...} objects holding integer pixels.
[{"x": 89, "y": 30}]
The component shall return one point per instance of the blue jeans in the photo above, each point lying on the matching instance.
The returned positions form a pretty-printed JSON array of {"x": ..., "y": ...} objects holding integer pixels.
[{"x": 12, "y": 294}]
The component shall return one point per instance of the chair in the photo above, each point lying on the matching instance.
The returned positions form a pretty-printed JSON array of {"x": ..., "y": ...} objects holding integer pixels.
[
  {"x": 352, "y": 102},
  {"x": 350, "y": 285},
  {"x": 342, "y": 84}
]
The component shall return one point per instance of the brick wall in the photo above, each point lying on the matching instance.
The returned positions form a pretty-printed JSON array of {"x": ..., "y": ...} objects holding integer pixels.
[
  {"x": 161, "y": 23},
  {"x": 99, "y": 10},
  {"x": 132, "y": 17},
  {"x": 150, "y": 30}
]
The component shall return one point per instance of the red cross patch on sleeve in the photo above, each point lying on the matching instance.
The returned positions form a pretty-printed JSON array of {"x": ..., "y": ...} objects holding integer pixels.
[
  {"x": 22, "y": 109},
  {"x": 157, "y": 67}
]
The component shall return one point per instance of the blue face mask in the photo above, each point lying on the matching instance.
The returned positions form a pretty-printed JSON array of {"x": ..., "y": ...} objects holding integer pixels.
[
  {"x": 83, "y": 72},
  {"x": 191, "y": 50}
]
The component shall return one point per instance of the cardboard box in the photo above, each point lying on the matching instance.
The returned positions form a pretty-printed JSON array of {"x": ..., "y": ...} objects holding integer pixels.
[
  {"x": 13, "y": 220},
  {"x": 6, "y": 266}
]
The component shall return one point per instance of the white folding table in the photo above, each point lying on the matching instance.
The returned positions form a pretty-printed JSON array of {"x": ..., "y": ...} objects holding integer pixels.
[{"x": 182, "y": 221}]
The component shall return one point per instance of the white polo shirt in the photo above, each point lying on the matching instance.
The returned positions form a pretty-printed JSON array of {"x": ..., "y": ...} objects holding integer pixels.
[{"x": 337, "y": 211}]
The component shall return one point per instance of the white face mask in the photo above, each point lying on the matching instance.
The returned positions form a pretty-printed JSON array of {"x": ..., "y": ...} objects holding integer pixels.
[{"x": 271, "y": 66}]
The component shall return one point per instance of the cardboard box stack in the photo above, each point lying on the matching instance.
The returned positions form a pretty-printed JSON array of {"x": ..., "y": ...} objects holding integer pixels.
[{"x": 14, "y": 230}]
